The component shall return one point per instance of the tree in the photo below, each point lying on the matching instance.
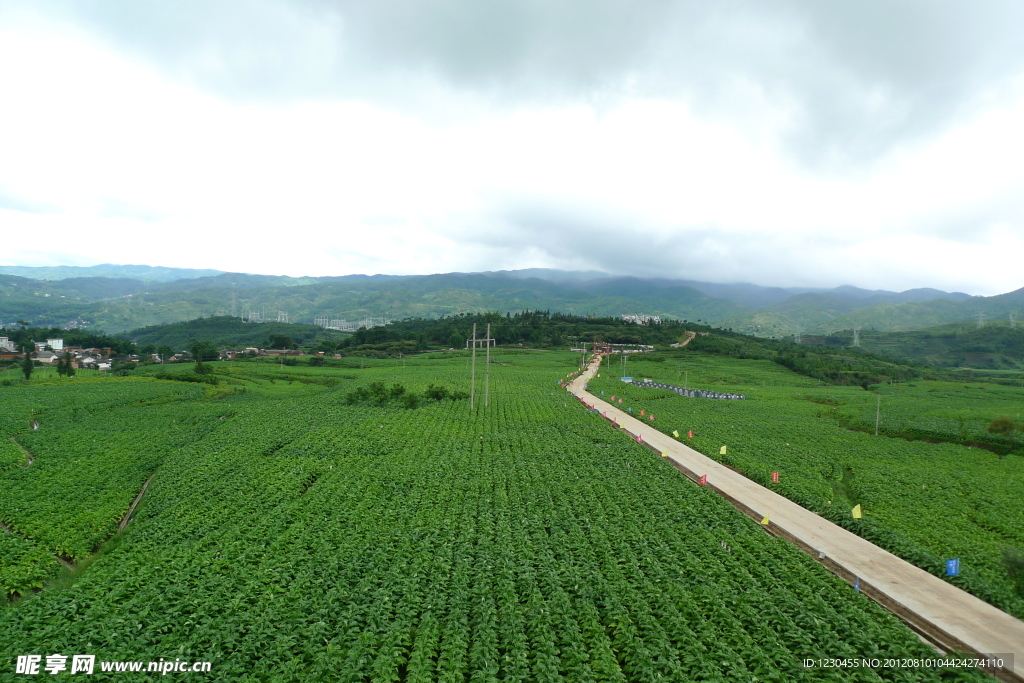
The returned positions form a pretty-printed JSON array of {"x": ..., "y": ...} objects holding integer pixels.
[
  {"x": 1004, "y": 426},
  {"x": 281, "y": 341},
  {"x": 64, "y": 366},
  {"x": 165, "y": 353},
  {"x": 197, "y": 349},
  {"x": 26, "y": 365}
]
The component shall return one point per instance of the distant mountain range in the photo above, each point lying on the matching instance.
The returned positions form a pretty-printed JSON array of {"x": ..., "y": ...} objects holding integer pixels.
[
  {"x": 144, "y": 273},
  {"x": 120, "y": 298}
]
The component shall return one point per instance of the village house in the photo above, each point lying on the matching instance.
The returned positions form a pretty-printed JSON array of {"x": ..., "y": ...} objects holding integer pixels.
[
  {"x": 47, "y": 357},
  {"x": 281, "y": 352}
]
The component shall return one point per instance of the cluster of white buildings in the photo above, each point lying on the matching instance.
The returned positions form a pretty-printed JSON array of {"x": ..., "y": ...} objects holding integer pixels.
[{"x": 640, "y": 318}]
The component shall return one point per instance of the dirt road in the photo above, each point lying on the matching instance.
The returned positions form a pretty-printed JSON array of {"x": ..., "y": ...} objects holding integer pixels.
[{"x": 942, "y": 613}]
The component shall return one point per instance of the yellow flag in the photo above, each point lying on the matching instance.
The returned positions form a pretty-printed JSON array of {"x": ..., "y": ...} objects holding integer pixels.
[
  {"x": 721, "y": 451},
  {"x": 675, "y": 433},
  {"x": 765, "y": 520},
  {"x": 664, "y": 454},
  {"x": 856, "y": 512}
]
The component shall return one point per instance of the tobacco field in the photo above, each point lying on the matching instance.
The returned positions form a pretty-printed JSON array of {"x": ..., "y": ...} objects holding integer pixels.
[
  {"x": 289, "y": 534},
  {"x": 926, "y": 502}
]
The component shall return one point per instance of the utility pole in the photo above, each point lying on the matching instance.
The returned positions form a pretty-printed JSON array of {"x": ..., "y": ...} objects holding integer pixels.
[
  {"x": 487, "y": 369},
  {"x": 472, "y": 371},
  {"x": 878, "y": 413}
]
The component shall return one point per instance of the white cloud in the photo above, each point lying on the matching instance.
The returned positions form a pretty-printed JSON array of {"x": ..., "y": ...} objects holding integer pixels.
[{"x": 143, "y": 160}]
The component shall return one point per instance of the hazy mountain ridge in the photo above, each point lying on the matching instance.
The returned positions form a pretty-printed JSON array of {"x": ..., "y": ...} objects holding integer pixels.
[
  {"x": 119, "y": 304},
  {"x": 145, "y": 273}
]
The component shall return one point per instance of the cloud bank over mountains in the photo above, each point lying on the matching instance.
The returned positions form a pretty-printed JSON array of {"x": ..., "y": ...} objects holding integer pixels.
[{"x": 795, "y": 143}]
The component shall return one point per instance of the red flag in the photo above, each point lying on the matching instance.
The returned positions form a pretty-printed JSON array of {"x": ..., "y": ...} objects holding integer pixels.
[
  {"x": 775, "y": 477},
  {"x": 703, "y": 479},
  {"x": 689, "y": 434},
  {"x": 641, "y": 412},
  {"x": 651, "y": 418}
]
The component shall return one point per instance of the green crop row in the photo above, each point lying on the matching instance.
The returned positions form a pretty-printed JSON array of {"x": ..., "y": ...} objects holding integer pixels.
[
  {"x": 95, "y": 445},
  {"x": 925, "y": 502},
  {"x": 301, "y": 538}
]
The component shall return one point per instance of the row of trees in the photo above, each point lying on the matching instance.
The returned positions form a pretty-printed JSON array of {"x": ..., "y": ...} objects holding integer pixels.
[{"x": 535, "y": 328}]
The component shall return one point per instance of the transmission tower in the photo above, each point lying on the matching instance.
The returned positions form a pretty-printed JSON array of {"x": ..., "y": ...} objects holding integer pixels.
[
  {"x": 856, "y": 335},
  {"x": 1013, "y": 321},
  {"x": 282, "y": 317},
  {"x": 981, "y": 320}
]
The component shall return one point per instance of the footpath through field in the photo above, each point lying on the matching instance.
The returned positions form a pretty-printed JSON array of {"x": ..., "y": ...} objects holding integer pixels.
[{"x": 942, "y": 613}]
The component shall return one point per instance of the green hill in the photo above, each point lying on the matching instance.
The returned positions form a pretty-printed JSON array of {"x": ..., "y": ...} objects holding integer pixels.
[
  {"x": 117, "y": 307},
  {"x": 993, "y": 347},
  {"x": 228, "y": 332},
  {"x": 118, "y": 304}
]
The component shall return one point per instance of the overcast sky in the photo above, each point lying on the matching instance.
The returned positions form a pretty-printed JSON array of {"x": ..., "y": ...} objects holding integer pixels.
[{"x": 876, "y": 143}]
